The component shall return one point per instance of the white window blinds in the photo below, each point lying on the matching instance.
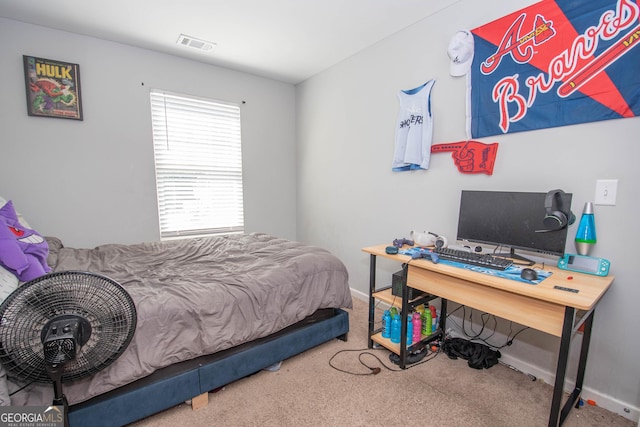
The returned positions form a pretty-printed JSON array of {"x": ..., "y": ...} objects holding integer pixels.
[{"x": 198, "y": 159}]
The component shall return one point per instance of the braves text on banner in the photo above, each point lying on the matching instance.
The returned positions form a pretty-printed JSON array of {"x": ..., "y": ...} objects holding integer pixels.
[{"x": 556, "y": 63}]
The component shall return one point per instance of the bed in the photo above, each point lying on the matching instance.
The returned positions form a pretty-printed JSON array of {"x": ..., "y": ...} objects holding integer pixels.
[{"x": 210, "y": 311}]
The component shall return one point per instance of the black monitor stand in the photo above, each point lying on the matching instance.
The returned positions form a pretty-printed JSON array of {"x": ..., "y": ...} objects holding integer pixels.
[{"x": 513, "y": 255}]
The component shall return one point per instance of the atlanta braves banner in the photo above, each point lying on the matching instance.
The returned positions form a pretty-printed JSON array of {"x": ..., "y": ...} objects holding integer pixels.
[{"x": 556, "y": 63}]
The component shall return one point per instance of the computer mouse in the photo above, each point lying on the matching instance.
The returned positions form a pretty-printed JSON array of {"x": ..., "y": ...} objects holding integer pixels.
[{"x": 529, "y": 274}]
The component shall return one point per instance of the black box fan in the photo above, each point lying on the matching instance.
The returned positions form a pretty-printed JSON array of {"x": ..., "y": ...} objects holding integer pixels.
[{"x": 64, "y": 326}]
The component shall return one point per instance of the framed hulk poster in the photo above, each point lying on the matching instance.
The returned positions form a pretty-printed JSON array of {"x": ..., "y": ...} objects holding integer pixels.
[{"x": 53, "y": 88}]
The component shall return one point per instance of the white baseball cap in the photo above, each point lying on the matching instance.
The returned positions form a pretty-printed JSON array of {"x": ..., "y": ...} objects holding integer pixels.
[{"x": 461, "y": 53}]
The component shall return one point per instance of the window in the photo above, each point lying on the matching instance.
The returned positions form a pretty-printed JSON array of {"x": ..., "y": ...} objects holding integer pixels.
[{"x": 198, "y": 161}]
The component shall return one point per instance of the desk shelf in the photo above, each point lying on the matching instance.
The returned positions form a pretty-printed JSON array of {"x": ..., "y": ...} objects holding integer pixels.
[
  {"x": 386, "y": 343},
  {"x": 403, "y": 305},
  {"x": 385, "y": 295},
  {"x": 395, "y": 347}
]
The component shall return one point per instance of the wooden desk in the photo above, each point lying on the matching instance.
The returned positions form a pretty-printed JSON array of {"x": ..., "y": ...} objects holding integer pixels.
[{"x": 540, "y": 306}]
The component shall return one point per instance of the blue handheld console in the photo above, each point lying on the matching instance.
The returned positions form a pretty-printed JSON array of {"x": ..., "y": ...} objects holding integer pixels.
[{"x": 584, "y": 264}]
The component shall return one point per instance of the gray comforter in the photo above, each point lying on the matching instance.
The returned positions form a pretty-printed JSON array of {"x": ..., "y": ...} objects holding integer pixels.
[{"x": 200, "y": 296}]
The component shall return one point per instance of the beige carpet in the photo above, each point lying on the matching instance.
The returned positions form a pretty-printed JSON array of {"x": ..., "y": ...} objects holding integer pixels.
[{"x": 306, "y": 391}]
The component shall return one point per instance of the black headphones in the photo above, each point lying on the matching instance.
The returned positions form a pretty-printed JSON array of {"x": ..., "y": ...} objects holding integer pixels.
[{"x": 557, "y": 216}]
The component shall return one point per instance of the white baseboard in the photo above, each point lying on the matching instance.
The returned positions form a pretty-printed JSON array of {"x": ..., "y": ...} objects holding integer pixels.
[
  {"x": 609, "y": 403},
  {"x": 602, "y": 400},
  {"x": 360, "y": 295}
]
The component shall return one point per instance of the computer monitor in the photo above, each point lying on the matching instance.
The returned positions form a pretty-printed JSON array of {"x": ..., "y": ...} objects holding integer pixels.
[{"x": 510, "y": 220}]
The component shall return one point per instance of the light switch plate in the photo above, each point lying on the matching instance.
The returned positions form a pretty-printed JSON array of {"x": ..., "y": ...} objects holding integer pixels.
[{"x": 606, "y": 192}]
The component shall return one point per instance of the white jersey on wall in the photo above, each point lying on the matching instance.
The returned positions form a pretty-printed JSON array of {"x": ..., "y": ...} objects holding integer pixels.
[{"x": 414, "y": 129}]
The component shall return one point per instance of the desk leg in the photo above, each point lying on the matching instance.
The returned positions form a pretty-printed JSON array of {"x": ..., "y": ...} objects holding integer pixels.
[
  {"x": 563, "y": 356},
  {"x": 404, "y": 315},
  {"x": 443, "y": 318},
  {"x": 574, "y": 398},
  {"x": 557, "y": 417},
  {"x": 372, "y": 306},
  {"x": 584, "y": 350}
]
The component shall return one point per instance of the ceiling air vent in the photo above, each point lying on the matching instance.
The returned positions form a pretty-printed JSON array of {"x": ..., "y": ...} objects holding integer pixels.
[{"x": 195, "y": 43}]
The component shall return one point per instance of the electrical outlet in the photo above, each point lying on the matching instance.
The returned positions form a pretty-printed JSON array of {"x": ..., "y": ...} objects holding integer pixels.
[{"x": 606, "y": 192}]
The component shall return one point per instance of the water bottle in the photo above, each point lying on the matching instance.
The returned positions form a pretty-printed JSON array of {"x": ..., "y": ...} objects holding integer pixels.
[
  {"x": 417, "y": 327},
  {"x": 386, "y": 324},
  {"x": 434, "y": 318},
  {"x": 395, "y": 329},
  {"x": 426, "y": 323},
  {"x": 393, "y": 311},
  {"x": 425, "y": 331},
  {"x": 409, "y": 330}
]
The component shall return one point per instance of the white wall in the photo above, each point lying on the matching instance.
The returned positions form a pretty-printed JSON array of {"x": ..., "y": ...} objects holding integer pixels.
[
  {"x": 92, "y": 182},
  {"x": 348, "y": 198}
]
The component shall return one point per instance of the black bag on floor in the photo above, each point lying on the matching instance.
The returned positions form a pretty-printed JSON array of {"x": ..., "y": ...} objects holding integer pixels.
[{"x": 479, "y": 356}]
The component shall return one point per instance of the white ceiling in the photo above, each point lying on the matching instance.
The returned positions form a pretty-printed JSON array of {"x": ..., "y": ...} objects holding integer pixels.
[{"x": 286, "y": 40}]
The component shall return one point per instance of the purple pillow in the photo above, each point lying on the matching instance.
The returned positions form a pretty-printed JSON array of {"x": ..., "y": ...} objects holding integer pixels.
[{"x": 22, "y": 250}]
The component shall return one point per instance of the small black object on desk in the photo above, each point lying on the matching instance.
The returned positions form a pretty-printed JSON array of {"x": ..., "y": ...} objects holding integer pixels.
[{"x": 529, "y": 274}]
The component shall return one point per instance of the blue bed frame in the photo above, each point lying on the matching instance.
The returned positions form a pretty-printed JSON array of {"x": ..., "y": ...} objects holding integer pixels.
[{"x": 177, "y": 383}]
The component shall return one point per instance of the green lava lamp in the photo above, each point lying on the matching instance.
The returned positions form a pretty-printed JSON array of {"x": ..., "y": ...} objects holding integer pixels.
[{"x": 586, "y": 234}]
